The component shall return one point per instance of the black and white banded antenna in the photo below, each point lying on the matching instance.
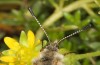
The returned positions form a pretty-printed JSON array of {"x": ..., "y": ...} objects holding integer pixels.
[
  {"x": 83, "y": 29},
  {"x": 32, "y": 13}
]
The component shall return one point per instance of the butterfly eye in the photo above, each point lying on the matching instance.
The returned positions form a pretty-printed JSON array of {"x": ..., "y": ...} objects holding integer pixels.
[
  {"x": 44, "y": 59},
  {"x": 55, "y": 49}
]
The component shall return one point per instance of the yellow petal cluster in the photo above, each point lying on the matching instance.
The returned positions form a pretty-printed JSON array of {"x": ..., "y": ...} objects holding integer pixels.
[{"x": 20, "y": 53}]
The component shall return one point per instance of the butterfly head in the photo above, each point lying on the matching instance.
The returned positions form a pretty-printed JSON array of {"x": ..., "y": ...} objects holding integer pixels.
[{"x": 52, "y": 46}]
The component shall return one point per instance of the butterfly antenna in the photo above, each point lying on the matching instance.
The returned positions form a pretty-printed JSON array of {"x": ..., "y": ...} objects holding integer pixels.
[
  {"x": 83, "y": 29},
  {"x": 30, "y": 10}
]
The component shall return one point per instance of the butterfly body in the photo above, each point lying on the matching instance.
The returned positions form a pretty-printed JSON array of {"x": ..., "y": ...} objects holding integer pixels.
[{"x": 49, "y": 56}]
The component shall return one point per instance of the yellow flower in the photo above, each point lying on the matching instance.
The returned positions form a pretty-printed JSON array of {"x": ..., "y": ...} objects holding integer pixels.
[
  {"x": 7, "y": 59},
  {"x": 22, "y": 52},
  {"x": 2, "y": 64},
  {"x": 11, "y": 64},
  {"x": 11, "y": 43}
]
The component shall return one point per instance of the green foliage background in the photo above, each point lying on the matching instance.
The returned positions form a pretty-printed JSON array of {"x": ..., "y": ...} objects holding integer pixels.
[{"x": 59, "y": 18}]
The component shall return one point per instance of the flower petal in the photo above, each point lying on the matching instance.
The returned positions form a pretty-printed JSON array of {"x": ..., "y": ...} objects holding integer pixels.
[
  {"x": 11, "y": 64},
  {"x": 31, "y": 38},
  {"x": 23, "y": 39},
  {"x": 2, "y": 64},
  {"x": 11, "y": 43},
  {"x": 7, "y": 59}
]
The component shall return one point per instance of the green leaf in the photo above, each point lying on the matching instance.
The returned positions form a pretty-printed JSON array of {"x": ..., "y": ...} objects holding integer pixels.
[
  {"x": 84, "y": 36},
  {"x": 69, "y": 17},
  {"x": 71, "y": 59},
  {"x": 85, "y": 22},
  {"x": 67, "y": 45},
  {"x": 44, "y": 42},
  {"x": 63, "y": 51},
  {"x": 77, "y": 17},
  {"x": 96, "y": 20},
  {"x": 5, "y": 52},
  {"x": 55, "y": 35},
  {"x": 95, "y": 45},
  {"x": 86, "y": 62},
  {"x": 8, "y": 52},
  {"x": 23, "y": 39},
  {"x": 38, "y": 9},
  {"x": 98, "y": 62}
]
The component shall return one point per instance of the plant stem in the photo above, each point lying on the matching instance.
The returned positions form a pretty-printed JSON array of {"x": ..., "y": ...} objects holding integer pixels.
[
  {"x": 89, "y": 11},
  {"x": 71, "y": 59},
  {"x": 88, "y": 55},
  {"x": 61, "y": 4},
  {"x": 11, "y": 2},
  {"x": 63, "y": 28},
  {"x": 53, "y": 4}
]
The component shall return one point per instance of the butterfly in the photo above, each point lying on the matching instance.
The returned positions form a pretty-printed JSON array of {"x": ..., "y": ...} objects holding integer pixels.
[{"x": 49, "y": 55}]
